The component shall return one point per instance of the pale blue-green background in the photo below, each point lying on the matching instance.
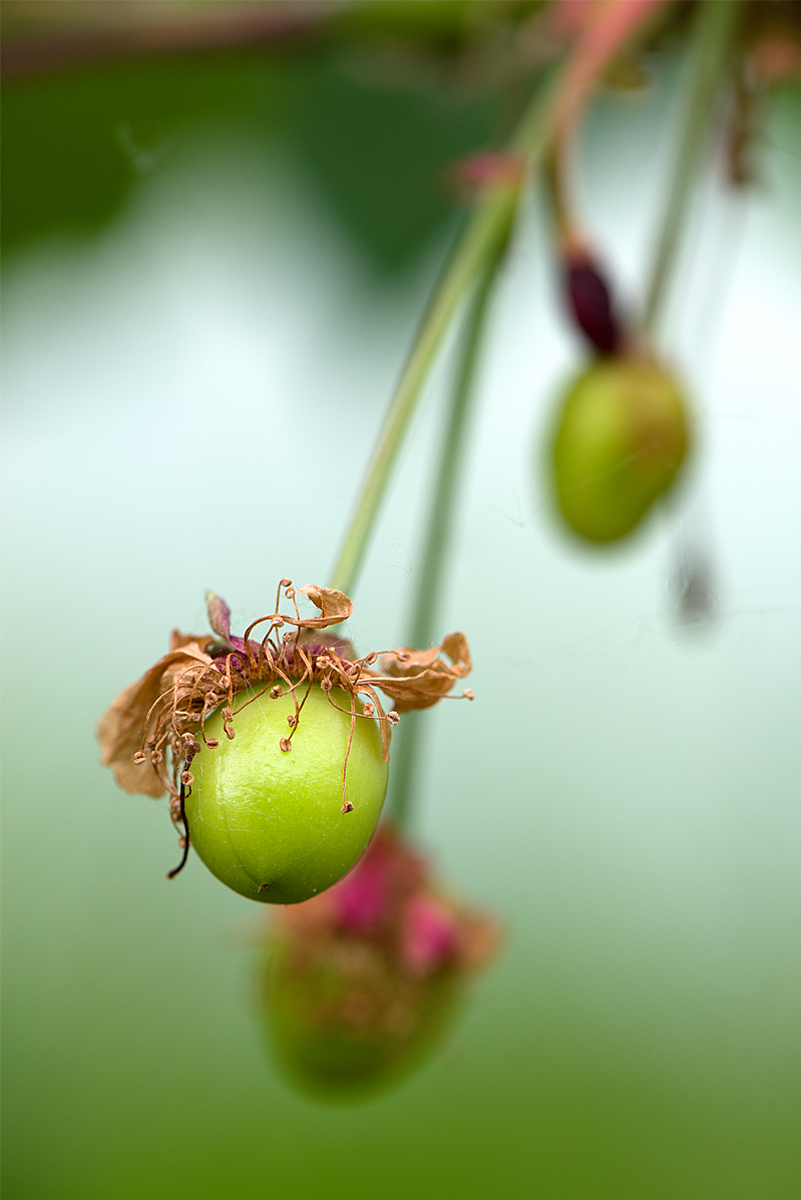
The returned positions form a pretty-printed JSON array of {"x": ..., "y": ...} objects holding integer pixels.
[{"x": 190, "y": 398}]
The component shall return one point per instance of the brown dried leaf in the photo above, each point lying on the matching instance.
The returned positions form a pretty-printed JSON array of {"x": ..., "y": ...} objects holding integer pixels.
[
  {"x": 180, "y": 640},
  {"x": 120, "y": 729},
  {"x": 456, "y": 647},
  {"x": 481, "y": 939},
  {"x": 419, "y": 678},
  {"x": 776, "y": 56},
  {"x": 334, "y": 605}
]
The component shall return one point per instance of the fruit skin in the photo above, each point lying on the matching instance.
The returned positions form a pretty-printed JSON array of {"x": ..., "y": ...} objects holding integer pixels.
[
  {"x": 257, "y": 815},
  {"x": 620, "y": 440},
  {"x": 360, "y": 984},
  {"x": 342, "y": 1064}
]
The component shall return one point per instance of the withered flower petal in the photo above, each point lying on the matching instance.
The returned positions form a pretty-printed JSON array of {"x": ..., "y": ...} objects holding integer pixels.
[
  {"x": 417, "y": 679},
  {"x": 363, "y": 980},
  {"x": 120, "y": 729},
  {"x": 334, "y": 605},
  {"x": 153, "y": 728}
]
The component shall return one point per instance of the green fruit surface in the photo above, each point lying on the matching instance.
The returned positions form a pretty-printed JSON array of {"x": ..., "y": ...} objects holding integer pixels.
[
  {"x": 269, "y": 824},
  {"x": 620, "y": 440},
  {"x": 341, "y": 1064}
]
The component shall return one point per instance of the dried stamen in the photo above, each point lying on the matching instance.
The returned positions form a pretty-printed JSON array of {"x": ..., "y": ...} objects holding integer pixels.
[{"x": 202, "y": 675}]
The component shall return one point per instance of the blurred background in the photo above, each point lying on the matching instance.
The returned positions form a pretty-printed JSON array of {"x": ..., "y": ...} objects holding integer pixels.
[{"x": 221, "y": 222}]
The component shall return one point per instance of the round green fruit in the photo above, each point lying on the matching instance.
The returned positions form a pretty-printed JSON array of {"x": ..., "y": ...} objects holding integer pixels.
[
  {"x": 268, "y": 823},
  {"x": 395, "y": 1022},
  {"x": 620, "y": 440}
]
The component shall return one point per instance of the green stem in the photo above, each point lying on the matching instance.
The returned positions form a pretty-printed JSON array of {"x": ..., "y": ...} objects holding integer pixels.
[
  {"x": 440, "y": 521},
  {"x": 483, "y": 238},
  {"x": 440, "y": 517},
  {"x": 712, "y": 37},
  {"x": 559, "y": 99}
]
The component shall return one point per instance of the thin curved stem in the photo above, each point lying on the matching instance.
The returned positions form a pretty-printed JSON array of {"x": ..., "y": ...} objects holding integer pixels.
[
  {"x": 712, "y": 38},
  {"x": 557, "y": 104},
  {"x": 482, "y": 240},
  {"x": 440, "y": 522}
]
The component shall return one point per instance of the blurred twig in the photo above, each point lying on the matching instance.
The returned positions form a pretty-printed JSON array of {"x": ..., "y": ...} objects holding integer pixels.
[
  {"x": 710, "y": 48},
  {"x": 486, "y": 231},
  {"x": 555, "y": 108},
  {"x": 440, "y": 521},
  {"x": 46, "y": 35}
]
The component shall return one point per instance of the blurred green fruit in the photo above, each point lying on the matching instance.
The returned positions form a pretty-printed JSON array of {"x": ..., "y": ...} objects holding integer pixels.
[
  {"x": 363, "y": 982},
  {"x": 268, "y": 823},
  {"x": 620, "y": 440},
  {"x": 349, "y": 1023}
]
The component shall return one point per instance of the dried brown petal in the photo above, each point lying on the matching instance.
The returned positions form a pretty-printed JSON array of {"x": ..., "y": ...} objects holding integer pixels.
[
  {"x": 419, "y": 678},
  {"x": 480, "y": 941},
  {"x": 179, "y": 640},
  {"x": 334, "y": 605},
  {"x": 120, "y": 729},
  {"x": 151, "y": 731}
]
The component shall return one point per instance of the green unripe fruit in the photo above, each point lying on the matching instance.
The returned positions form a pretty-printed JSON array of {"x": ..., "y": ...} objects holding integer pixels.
[
  {"x": 268, "y": 823},
  {"x": 343, "y": 1062},
  {"x": 620, "y": 440}
]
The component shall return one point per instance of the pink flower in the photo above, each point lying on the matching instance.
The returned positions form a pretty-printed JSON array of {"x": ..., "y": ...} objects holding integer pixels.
[
  {"x": 362, "y": 977},
  {"x": 430, "y": 935}
]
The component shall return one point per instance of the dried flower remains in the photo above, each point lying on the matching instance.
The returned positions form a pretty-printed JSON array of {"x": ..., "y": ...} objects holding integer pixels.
[
  {"x": 362, "y": 979},
  {"x": 155, "y": 727}
]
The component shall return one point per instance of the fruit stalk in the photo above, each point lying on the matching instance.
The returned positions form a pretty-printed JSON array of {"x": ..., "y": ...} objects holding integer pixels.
[
  {"x": 715, "y": 25},
  {"x": 557, "y": 103},
  {"x": 482, "y": 240},
  {"x": 440, "y": 522}
]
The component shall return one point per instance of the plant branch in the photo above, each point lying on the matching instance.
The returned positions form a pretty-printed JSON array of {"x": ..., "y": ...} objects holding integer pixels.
[
  {"x": 557, "y": 104},
  {"x": 712, "y": 37},
  {"x": 483, "y": 238},
  {"x": 440, "y": 522},
  {"x": 44, "y": 37}
]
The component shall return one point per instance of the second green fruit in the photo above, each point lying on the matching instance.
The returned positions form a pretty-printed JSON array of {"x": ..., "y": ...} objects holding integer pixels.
[{"x": 620, "y": 440}]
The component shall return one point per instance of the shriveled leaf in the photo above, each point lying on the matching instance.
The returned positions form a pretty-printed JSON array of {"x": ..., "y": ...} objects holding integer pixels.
[
  {"x": 145, "y": 734},
  {"x": 481, "y": 938},
  {"x": 334, "y": 606},
  {"x": 456, "y": 647},
  {"x": 419, "y": 678},
  {"x": 180, "y": 640},
  {"x": 120, "y": 730}
]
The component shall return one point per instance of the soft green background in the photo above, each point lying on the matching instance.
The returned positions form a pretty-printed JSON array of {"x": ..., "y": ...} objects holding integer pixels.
[{"x": 207, "y": 299}]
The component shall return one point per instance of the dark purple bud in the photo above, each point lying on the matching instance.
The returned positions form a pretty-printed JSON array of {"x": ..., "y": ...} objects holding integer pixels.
[{"x": 591, "y": 306}]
